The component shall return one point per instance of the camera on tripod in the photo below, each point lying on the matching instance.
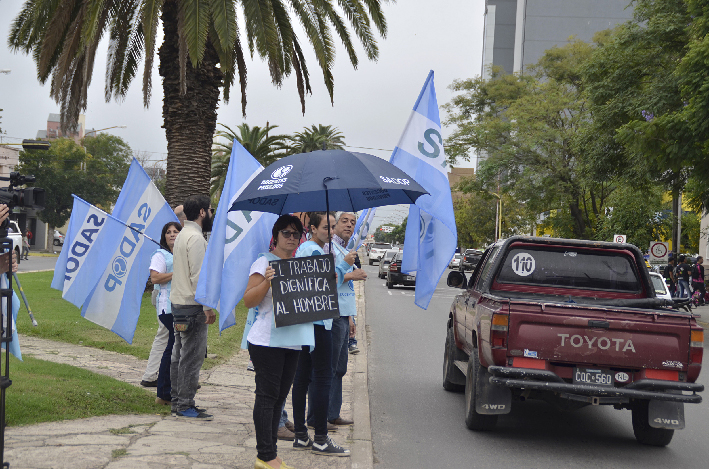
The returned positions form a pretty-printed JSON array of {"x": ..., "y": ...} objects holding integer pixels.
[{"x": 30, "y": 197}]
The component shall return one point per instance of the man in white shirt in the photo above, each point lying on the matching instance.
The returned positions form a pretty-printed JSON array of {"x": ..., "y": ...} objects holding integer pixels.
[{"x": 191, "y": 318}]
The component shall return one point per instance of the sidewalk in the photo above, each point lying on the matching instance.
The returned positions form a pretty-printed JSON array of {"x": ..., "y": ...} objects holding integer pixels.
[{"x": 154, "y": 441}]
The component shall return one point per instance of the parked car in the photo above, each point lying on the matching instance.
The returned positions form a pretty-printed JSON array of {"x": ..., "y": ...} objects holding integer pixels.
[
  {"x": 58, "y": 238},
  {"x": 15, "y": 234},
  {"x": 574, "y": 323},
  {"x": 455, "y": 262},
  {"x": 396, "y": 277},
  {"x": 470, "y": 259},
  {"x": 658, "y": 281},
  {"x": 385, "y": 261},
  {"x": 377, "y": 251}
]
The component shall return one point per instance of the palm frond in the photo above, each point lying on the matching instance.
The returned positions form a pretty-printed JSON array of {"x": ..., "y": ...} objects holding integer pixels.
[
  {"x": 195, "y": 27},
  {"x": 150, "y": 18}
]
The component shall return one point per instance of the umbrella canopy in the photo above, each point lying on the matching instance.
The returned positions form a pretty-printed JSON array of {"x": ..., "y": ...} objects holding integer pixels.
[{"x": 328, "y": 180}]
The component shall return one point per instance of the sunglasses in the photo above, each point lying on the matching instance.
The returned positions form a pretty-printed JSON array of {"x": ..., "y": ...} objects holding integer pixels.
[{"x": 290, "y": 234}]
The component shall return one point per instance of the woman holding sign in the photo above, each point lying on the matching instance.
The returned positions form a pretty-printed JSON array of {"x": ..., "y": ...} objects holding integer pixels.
[
  {"x": 318, "y": 362},
  {"x": 274, "y": 352}
]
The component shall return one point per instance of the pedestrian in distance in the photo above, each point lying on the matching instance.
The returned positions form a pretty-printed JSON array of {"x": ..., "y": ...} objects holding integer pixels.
[
  {"x": 161, "y": 275},
  {"x": 274, "y": 351},
  {"x": 669, "y": 275},
  {"x": 191, "y": 319},
  {"x": 682, "y": 276},
  {"x": 314, "y": 373},
  {"x": 698, "y": 279},
  {"x": 25, "y": 247}
]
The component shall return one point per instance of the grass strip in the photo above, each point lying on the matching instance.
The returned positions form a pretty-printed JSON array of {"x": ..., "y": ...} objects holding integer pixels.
[
  {"x": 43, "y": 391},
  {"x": 61, "y": 321}
]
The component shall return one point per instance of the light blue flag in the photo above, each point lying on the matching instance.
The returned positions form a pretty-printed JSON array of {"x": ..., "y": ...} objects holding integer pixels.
[
  {"x": 92, "y": 232},
  {"x": 15, "y": 343},
  {"x": 237, "y": 239},
  {"x": 364, "y": 222},
  {"x": 431, "y": 235},
  {"x": 115, "y": 299}
]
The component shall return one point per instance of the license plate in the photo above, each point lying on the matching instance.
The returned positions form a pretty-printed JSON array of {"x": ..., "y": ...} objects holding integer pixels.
[
  {"x": 593, "y": 376},
  {"x": 410, "y": 277}
]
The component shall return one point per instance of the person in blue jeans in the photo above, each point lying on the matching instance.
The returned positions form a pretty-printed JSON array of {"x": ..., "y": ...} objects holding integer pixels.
[
  {"x": 314, "y": 372},
  {"x": 682, "y": 275},
  {"x": 161, "y": 276}
]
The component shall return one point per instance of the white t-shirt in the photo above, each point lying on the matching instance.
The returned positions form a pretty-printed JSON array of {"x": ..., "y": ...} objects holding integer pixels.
[
  {"x": 260, "y": 333},
  {"x": 158, "y": 264}
]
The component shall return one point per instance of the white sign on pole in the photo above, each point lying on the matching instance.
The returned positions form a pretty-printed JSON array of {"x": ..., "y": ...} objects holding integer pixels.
[
  {"x": 618, "y": 238},
  {"x": 659, "y": 252}
]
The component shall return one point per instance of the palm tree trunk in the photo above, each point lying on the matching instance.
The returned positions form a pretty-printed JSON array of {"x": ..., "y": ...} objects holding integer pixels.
[{"x": 189, "y": 119}]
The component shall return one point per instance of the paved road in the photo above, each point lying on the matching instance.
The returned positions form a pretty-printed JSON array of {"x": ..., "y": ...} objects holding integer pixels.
[
  {"x": 37, "y": 263},
  {"x": 416, "y": 424}
]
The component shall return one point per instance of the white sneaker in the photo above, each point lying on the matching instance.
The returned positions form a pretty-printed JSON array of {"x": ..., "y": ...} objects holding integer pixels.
[{"x": 329, "y": 448}]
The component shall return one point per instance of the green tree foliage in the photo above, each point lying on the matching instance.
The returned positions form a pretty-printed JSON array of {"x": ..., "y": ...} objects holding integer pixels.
[
  {"x": 529, "y": 128},
  {"x": 202, "y": 52},
  {"x": 475, "y": 220},
  {"x": 66, "y": 169},
  {"x": 264, "y": 147},
  {"x": 317, "y": 137},
  {"x": 691, "y": 232},
  {"x": 642, "y": 217}
]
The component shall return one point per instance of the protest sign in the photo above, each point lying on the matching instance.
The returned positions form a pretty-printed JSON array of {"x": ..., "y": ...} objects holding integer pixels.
[{"x": 304, "y": 289}]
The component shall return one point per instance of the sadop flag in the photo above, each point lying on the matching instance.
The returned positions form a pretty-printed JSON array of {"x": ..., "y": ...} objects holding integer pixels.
[
  {"x": 431, "y": 234},
  {"x": 114, "y": 301},
  {"x": 91, "y": 235},
  {"x": 361, "y": 229},
  {"x": 238, "y": 237}
]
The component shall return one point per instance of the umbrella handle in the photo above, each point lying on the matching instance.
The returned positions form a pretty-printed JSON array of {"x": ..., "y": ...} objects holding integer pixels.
[{"x": 327, "y": 212}]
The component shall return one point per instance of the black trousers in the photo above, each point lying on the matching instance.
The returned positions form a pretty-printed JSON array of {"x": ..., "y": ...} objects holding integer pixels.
[{"x": 275, "y": 369}]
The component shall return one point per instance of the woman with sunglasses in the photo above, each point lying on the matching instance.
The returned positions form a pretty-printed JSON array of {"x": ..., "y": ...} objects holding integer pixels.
[{"x": 274, "y": 352}]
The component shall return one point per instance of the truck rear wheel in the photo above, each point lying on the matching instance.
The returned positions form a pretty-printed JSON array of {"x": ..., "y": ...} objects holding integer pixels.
[
  {"x": 452, "y": 376},
  {"x": 473, "y": 420},
  {"x": 646, "y": 434}
]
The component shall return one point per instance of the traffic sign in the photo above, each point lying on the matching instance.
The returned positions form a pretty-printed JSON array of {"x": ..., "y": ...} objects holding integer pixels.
[
  {"x": 659, "y": 252},
  {"x": 618, "y": 238}
]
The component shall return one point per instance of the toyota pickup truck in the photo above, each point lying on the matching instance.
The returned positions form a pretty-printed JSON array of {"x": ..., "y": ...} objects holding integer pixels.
[{"x": 574, "y": 323}]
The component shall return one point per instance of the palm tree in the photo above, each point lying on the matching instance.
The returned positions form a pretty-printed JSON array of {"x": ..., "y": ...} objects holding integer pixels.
[
  {"x": 256, "y": 140},
  {"x": 317, "y": 137},
  {"x": 201, "y": 52}
]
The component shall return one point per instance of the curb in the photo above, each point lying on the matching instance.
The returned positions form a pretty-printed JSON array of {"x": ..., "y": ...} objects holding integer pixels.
[{"x": 362, "y": 455}]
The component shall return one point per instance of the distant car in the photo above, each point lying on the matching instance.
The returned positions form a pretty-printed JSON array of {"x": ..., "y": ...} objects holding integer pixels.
[
  {"x": 658, "y": 282},
  {"x": 377, "y": 251},
  {"x": 385, "y": 261},
  {"x": 58, "y": 238},
  {"x": 470, "y": 259},
  {"x": 455, "y": 262},
  {"x": 396, "y": 277}
]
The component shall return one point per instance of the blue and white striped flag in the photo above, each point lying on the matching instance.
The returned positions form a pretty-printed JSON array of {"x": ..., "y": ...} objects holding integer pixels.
[
  {"x": 114, "y": 302},
  {"x": 91, "y": 234},
  {"x": 237, "y": 239},
  {"x": 431, "y": 234},
  {"x": 15, "y": 343},
  {"x": 364, "y": 222}
]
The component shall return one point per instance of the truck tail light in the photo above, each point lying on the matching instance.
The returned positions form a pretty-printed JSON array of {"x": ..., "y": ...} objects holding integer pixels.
[
  {"x": 498, "y": 330},
  {"x": 696, "y": 346}
]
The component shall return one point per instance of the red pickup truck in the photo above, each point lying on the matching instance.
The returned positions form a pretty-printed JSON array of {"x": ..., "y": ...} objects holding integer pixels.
[{"x": 574, "y": 323}]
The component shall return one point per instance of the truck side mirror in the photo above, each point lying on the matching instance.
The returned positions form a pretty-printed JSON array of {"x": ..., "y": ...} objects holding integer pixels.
[{"x": 457, "y": 280}]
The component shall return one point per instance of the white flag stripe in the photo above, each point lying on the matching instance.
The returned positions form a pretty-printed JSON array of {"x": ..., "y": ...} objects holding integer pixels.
[
  {"x": 422, "y": 134},
  {"x": 89, "y": 228},
  {"x": 104, "y": 312}
]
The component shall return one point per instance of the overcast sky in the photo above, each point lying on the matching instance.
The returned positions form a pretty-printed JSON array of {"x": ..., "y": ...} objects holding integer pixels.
[{"x": 371, "y": 104}]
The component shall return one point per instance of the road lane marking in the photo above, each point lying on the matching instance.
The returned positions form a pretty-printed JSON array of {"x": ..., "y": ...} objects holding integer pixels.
[{"x": 389, "y": 292}]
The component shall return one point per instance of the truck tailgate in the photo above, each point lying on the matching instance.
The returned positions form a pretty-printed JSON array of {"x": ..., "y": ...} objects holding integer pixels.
[{"x": 617, "y": 337}]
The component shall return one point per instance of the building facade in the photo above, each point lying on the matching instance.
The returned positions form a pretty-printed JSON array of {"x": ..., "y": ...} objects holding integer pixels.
[{"x": 517, "y": 32}]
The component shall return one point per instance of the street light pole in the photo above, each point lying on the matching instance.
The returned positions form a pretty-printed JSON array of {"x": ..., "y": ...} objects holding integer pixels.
[{"x": 107, "y": 128}]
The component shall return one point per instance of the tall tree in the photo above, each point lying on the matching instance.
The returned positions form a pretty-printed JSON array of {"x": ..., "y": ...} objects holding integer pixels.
[
  {"x": 528, "y": 127},
  {"x": 202, "y": 52},
  {"x": 317, "y": 137},
  {"x": 263, "y": 145},
  {"x": 66, "y": 168}
]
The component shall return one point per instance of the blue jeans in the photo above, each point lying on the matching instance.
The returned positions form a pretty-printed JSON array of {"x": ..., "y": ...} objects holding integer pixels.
[
  {"x": 164, "y": 388},
  {"x": 187, "y": 357},
  {"x": 683, "y": 288},
  {"x": 314, "y": 372},
  {"x": 353, "y": 340},
  {"x": 340, "y": 333},
  {"x": 284, "y": 416}
]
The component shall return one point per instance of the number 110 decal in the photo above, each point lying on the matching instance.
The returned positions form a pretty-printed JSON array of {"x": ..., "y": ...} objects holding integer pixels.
[{"x": 523, "y": 264}]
